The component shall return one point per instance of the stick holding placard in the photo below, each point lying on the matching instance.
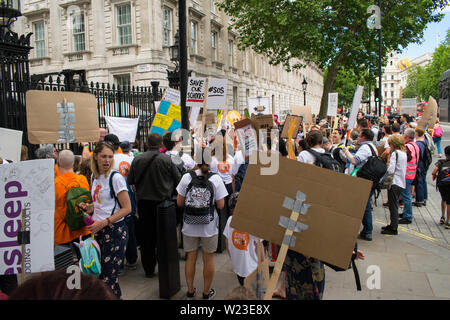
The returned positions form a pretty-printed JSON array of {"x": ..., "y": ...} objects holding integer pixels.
[
  {"x": 291, "y": 224},
  {"x": 205, "y": 103}
]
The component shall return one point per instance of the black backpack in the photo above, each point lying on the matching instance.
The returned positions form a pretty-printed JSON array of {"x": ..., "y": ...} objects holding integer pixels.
[
  {"x": 199, "y": 200},
  {"x": 443, "y": 174},
  {"x": 374, "y": 169},
  {"x": 325, "y": 160},
  {"x": 427, "y": 158},
  {"x": 178, "y": 162}
]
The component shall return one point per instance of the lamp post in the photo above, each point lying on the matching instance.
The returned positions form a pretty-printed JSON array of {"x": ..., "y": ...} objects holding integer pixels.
[
  {"x": 9, "y": 11},
  {"x": 304, "y": 85},
  {"x": 174, "y": 51}
]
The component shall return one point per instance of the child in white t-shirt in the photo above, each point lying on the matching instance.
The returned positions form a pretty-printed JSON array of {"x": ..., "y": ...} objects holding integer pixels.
[{"x": 243, "y": 250}]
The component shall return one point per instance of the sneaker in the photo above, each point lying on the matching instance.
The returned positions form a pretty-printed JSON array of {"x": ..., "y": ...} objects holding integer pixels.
[
  {"x": 131, "y": 266},
  {"x": 386, "y": 227},
  {"x": 367, "y": 237},
  {"x": 191, "y": 296},
  {"x": 400, "y": 215},
  {"x": 447, "y": 226},
  {"x": 390, "y": 231},
  {"x": 404, "y": 221},
  {"x": 210, "y": 295},
  {"x": 442, "y": 221},
  {"x": 417, "y": 204}
]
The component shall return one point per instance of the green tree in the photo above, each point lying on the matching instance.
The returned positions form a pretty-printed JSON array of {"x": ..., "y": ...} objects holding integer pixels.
[
  {"x": 332, "y": 34},
  {"x": 424, "y": 81}
]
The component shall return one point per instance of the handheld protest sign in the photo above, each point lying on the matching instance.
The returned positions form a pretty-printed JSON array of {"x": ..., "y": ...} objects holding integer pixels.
[
  {"x": 195, "y": 92},
  {"x": 205, "y": 104},
  {"x": 124, "y": 128},
  {"x": 247, "y": 137},
  {"x": 292, "y": 126},
  {"x": 296, "y": 120},
  {"x": 337, "y": 203},
  {"x": 304, "y": 112},
  {"x": 10, "y": 144},
  {"x": 27, "y": 194},
  {"x": 259, "y": 106},
  {"x": 332, "y": 104},
  {"x": 429, "y": 115},
  {"x": 61, "y": 117},
  {"x": 217, "y": 93},
  {"x": 168, "y": 118},
  {"x": 172, "y": 95},
  {"x": 351, "y": 123}
]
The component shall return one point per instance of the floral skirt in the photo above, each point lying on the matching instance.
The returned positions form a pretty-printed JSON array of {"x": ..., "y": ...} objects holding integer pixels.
[
  {"x": 112, "y": 241},
  {"x": 305, "y": 277}
]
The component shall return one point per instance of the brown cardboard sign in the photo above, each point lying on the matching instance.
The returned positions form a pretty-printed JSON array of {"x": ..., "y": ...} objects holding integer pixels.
[
  {"x": 429, "y": 115},
  {"x": 262, "y": 122},
  {"x": 297, "y": 121},
  {"x": 304, "y": 112},
  {"x": 61, "y": 117},
  {"x": 337, "y": 204},
  {"x": 209, "y": 119}
]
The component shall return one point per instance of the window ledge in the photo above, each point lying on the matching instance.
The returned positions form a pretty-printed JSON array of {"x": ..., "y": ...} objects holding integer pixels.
[
  {"x": 217, "y": 64},
  {"x": 198, "y": 58},
  {"x": 123, "y": 46}
]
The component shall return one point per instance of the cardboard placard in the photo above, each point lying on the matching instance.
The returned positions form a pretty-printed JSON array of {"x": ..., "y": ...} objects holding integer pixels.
[
  {"x": 173, "y": 96},
  {"x": 337, "y": 204},
  {"x": 217, "y": 93},
  {"x": 297, "y": 122},
  {"x": 259, "y": 105},
  {"x": 124, "y": 128},
  {"x": 61, "y": 117},
  {"x": 351, "y": 123},
  {"x": 10, "y": 144},
  {"x": 27, "y": 190},
  {"x": 332, "y": 104},
  {"x": 195, "y": 92},
  {"x": 247, "y": 137},
  {"x": 168, "y": 118},
  {"x": 304, "y": 112},
  {"x": 209, "y": 119},
  {"x": 262, "y": 122},
  {"x": 429, "y": 115}
]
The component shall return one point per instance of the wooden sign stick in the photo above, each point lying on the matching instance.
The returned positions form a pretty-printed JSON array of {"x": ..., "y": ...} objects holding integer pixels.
[
  {"x": 291, "y": 154},
  {"x": 280, "y": 261},
  {"x": 204, "y": 111},
  {"x": 23, "y": 248}
]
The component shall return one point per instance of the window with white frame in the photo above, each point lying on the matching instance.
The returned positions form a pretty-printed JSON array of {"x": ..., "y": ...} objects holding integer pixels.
[
  {"x": 167, "y": 26},
  {"x": 79, "y": 40},
  {"x": 194, "y": 37},
  {"x": 123, "y": 80},
  {"x": 214, "y": 46},
  {"x": 39, "y": 39},
  {"x": 123, "y": 13},
  {"x": 230, "y": 53}
]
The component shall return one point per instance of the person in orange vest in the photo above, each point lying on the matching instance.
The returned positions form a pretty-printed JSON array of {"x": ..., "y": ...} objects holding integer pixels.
[{"x": 65, "y": 181}]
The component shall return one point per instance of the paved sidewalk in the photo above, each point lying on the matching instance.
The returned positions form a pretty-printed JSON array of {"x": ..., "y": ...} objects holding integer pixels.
[{"x": 415, "y": 264}]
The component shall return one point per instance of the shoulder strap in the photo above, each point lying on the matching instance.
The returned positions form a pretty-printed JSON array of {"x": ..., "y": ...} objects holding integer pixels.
[
  {"x": 64, "y": 184},
  {"x": 372, "y": 150},
  {"x": 150, "y": 162}
]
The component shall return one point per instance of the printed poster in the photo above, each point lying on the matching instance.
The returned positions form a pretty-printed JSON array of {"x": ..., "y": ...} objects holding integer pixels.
[
  {"x": 10, "y": 144},
  {"x": 259, "y": 106},
  {"x": 195, "y": 92},
  {"x": 27, "y": 187},
  {"x": 217, "y": 93},
  {"x": 168, "y": 118}
]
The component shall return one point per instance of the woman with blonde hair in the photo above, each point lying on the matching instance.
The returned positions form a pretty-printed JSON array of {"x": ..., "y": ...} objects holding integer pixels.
[
  {"x": 396, "y": 170},
  {"x": 110, "y": 208}
]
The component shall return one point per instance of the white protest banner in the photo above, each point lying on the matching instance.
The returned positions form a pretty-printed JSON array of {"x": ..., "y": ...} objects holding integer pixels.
[
  {"x": 10, "y": 144},
  {"x": 173, "y": 96},
  {"x": 195, "y": 92},
  {"x": 259, "y": 105},
  {"x": 332, "y": 104},
  {"x": 27, "y": 188},
  {"x": 124, "y": 128},
  {"x": 195, "y": 111},
  {"x": 217, "y": 93},
  {"x": 355, "y": 107}
]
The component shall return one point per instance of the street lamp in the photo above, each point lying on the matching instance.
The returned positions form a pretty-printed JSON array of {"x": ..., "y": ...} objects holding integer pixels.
[
  {"x": 174, "y": 51},
  {"x": 304, "y": 85},
  {"x": 9, "y": 11}
]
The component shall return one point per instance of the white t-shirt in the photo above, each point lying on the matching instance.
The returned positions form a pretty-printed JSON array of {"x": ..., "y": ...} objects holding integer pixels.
[
  {"x": 122, "y": 163},
  {"x": 103, "y": 203},
  {"x": 226, "y": 170},
  {"x": 242, "y": 248},
  {"x": 220, "y": 192},
  {"x": 307, "y": 157},
  {"x": 188, "y": 162}
]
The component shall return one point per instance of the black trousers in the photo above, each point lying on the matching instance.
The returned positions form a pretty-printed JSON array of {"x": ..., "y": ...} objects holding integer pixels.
[
  {"x": 393, "y": 199},
  {"x": 131, "y": 251},
  {"x": 148, "y": 237}
]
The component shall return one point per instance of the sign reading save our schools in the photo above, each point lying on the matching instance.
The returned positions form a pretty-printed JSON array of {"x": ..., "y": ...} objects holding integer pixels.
[
  {"x": 27, "y": 199},
  {"x": 216, "y": 93}
]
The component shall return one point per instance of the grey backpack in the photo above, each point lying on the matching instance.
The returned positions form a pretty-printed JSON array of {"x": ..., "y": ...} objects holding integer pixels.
[{"x": 199, "y": 200}]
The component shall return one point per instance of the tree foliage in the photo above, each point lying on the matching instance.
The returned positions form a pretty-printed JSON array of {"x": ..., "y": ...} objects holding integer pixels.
[
  {"x": 332, "y": 34},
  {"x": 424, "y": 81}
]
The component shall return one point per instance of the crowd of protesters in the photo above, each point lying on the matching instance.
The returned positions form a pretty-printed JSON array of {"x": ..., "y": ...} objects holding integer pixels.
[{"x": 125, "y": 205}]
